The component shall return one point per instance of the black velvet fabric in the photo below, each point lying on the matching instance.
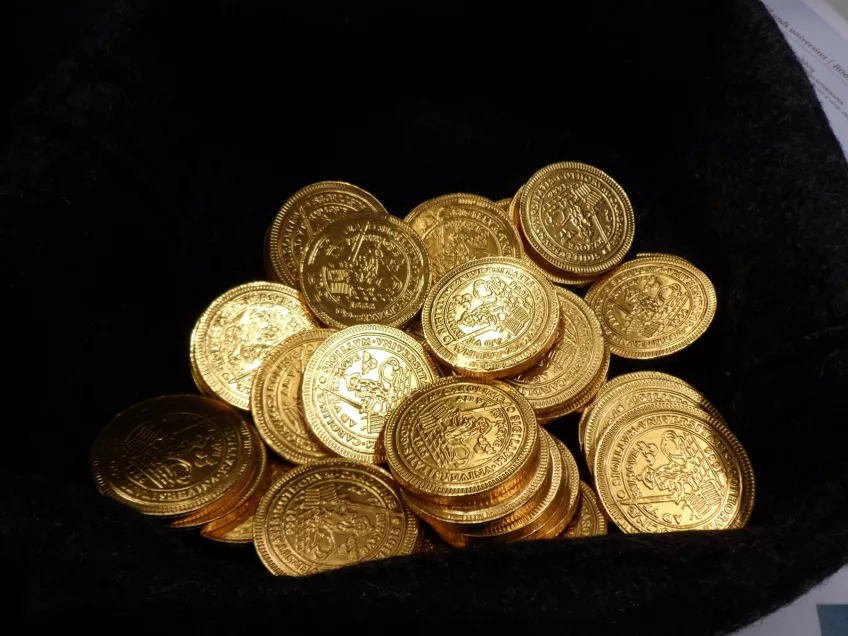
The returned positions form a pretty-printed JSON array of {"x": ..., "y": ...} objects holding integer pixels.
[{"x": 140, "y": 176}]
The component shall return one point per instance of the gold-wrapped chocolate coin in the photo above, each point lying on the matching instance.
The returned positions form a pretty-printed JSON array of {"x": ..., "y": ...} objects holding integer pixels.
[
  {"x": 567, "y": 508},
  {"x": 458, "y": 228},
  {"x": 584, "y": 399},
  {"x": 459, "y": 441},
  {"x": 492, "y": 317},
  {"x": 571, "y": 365},
  {"x": 355, "y": 380},
  {"x": 589, "y": 520},
  {"x": 238, "y": 330},
  {"x": 653, "y": 306},
  {"x": 172, "y": 455},
  {"x": 275, "y": 399},
  {"x": 329, "y": 514},
  {"x": 365, "y": 268},
  {"x": 503, "y": 204},
  {"x": 665, "y": 468},
  {"x": 305, "y": 214},
  {"x": 576, "y": 218}
]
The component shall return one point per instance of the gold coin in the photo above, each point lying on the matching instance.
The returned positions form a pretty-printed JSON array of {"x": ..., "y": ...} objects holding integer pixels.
[
  {"x": 492, "y": 317},
  {"x": 661, "y": 255},
  {"x": 577, "y": 218},
  {"x": 365, "y": 268},
  {"x": 429, "y": 540},
  {"x": 329, "y": 514},
  {"x": 571, "y": 365},
  {"x": 238, "y": 330},
  {"x": 237, "y": 527},
  {"x": 275, "y": 400},
  {"x": 503, "y": 204},
  {"x": 457, "y": 228},
  {"x": 483, "y": 518},
  {"x": 663, "y": 468},
  {"x": 567, "y": 508},
  {"x": 355, "y": 380},
  {"x": 584, "y": 398},
  {"x": 305, "y": 214},
  {"x": 458, "y": 440},
  {"x": 630, "y": 391},
  {"x": 171, "y": 455},
  {"x": 414, "y": 329},
  {"x": 653, "y": 306},
  {"x": 589, "y": 520}
]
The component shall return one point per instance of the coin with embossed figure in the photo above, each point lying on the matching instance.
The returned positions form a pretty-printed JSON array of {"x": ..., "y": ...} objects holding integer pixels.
[
  {"x": 457, "y": 228},
  {"x": 329, "y": 514},
  {"x": 365, "y": 268},
  {"x": 492, "y": 317},
  {"x": 576, "y": 218},
  {"x": 355, "y": 380},
  {"x": 172, "y": 455},
  {"x": 238, "y": 330},
  {"x": 664, "y": 468},
  {"x": 589, "y": 520},
  {"x": 275, "y": 399},
  {"x": 653, "y": 306},
  {"x": 305, "y": 214},
  {"x": 571, "y": 365},
  {"x": 630, "y": 391},
  {"x": 460, "y": 442}
]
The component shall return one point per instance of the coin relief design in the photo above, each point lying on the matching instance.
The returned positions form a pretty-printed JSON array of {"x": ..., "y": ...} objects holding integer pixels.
[
  {"x": 653, "y": 306},
  {"x": 670, "y": 469},
  {"x": 365, "y": 268},
  {"x": 303, "y": 215},
  {"x": 238, "y": 330},
  {"x": 353, "y": 382},
  {"x": 275, "y": 400},
  {"x": 330, "y": 514},
  {"x": 458, "y": 228},
  {"x": 577, "y": 218},
  {"x": 589, "y": 520},
  {"x": 492, "y": 317}
]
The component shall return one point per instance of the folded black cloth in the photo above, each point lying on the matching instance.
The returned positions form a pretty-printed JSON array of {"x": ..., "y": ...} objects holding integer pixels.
[{"x": 143, "y": 171}]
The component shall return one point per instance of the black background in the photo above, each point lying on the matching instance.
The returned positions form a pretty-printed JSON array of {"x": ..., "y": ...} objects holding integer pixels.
[{"x": 149, "y": 147}]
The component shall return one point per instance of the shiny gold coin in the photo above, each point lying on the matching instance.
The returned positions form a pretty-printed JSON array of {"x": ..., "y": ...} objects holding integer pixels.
[
  {"x": 630, "y": 391},
  {"x": 355, "y": 380},
  {"x": 171, "y": 455},
  {"x": 365, "y": 268},
  {"x": 567, "y": 509},
  {"x": 653, "y": 306},
  {"x": 503, "y": 204},
  {"x": 457, "y": 228},
  {"x": 275, "y": 399},
  {"x": 329, "y": 514},
  {"x": 576, "y": 218},
  {"x": 492, "y": 317},
  {"x": 238, "y": 330},
  {"x": 455, "y": 440},
  {"x": 589, "y": 520},
  {"x": 583, "y": 399},
  {"x": 674, "y": 467},
  {"x": 237, "y": 527},
  {"x": 414, "y": 329},
  {"x": 661, "y": 255},
  {"x": 571, "y": 365},
  {"x": 305, "y": 214}
]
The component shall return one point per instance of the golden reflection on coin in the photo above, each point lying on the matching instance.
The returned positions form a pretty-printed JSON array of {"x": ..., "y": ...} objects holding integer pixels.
[
  {"x": 365, "y": 268},
  {"x": 353, "y": 382},
  {"x": 503, "y": 204},
  {"x": 330, "y": 514},
  {"x": 668, "y": 468},
  {"x": 305, "y": 214},
  {"x": 630, "y": 391},
  {"x": 171, "y": 455},
  {"x": 238, "y": 330},
  {"x": 457, "y": 228},
  {"x": 492, "y": 317},
  {"x": 456, "y": 439},
  {"x": 589, "y": 520},
  {"x": 275, "y": 399},
  {"x": 571, "y": 365},
  {"x": 653, "y": 306},
  {"x": 577, "y": 218},
  {"x": 583, "y": 399}
]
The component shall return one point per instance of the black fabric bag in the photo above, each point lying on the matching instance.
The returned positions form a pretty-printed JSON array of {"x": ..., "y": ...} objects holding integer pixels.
[{"x": 144, "y": 170}]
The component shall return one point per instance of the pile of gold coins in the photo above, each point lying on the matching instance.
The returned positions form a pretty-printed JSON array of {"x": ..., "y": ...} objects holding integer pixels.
[{"x": 402, "y": 371}]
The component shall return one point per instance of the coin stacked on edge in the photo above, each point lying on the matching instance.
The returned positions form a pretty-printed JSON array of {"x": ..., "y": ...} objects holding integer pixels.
[{"x": 437, "y": 345}]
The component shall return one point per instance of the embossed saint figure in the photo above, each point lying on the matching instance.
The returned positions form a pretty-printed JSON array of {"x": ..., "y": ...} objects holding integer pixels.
[
  {"x": 494, "y": 304},
  {"x": 650, "y": 307},
  {"x": 457, "y": 242},
  {"x": 378, "y": 396},
  {"x": 574, "y": 212},
  {"x": 455, "y": 438},
  {"x": 365, "y": 271}
]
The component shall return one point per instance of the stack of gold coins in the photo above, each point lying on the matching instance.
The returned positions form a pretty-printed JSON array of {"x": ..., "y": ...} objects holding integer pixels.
[{"x": 474, "y": 464}]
